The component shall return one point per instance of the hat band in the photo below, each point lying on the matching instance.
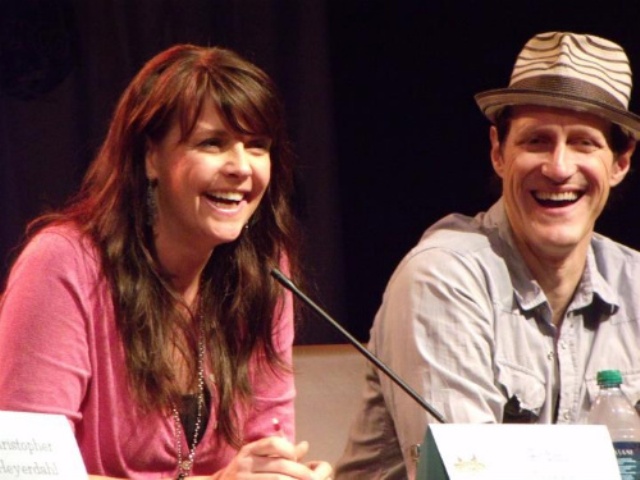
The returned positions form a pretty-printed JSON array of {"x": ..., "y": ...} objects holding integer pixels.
[{"x": 557, "y": 84}]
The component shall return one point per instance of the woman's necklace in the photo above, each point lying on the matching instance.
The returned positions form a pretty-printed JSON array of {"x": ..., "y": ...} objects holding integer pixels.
[{"x": 185, "y": 465}]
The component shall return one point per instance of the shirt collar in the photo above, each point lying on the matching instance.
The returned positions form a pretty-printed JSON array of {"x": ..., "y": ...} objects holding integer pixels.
[{"x": 528, "y": 292}]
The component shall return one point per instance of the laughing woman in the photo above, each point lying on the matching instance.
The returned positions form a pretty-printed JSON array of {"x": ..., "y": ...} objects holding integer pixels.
[{"x": 143, "y": 310}]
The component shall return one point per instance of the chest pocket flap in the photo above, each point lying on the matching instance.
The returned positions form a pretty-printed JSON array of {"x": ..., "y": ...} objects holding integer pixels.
[{"x": 525, "y": 393}]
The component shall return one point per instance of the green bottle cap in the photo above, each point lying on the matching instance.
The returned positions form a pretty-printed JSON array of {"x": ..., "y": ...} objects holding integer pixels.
[{"x": 609, "y": 377}]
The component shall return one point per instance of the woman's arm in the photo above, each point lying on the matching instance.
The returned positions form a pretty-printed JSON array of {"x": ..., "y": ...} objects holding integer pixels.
[{"x": 43, "y": 337}]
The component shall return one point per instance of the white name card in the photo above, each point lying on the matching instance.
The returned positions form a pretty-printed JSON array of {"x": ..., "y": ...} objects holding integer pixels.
[
  {"x": 36, "y": 446},
  {"x": 517, "y": 452}
]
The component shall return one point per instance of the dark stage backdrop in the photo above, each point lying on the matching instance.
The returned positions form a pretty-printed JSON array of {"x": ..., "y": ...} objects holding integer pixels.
[{"x": 379, "y": 96}]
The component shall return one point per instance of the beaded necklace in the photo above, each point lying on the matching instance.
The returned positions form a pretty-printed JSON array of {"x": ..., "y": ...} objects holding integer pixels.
[{"x": 186, "y": 464}]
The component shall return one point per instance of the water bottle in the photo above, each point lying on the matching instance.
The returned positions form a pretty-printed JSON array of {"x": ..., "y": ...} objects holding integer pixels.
[{"x": 613, "y": 409}]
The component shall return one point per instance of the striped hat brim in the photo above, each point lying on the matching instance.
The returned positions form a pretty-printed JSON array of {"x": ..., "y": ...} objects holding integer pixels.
[
  {"x": 573, "y": 71},
  {"x": 491, "y": 102}
]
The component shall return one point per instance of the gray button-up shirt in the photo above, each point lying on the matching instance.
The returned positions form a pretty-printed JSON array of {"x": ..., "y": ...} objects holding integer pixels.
[{"x": 464, "y": 324}]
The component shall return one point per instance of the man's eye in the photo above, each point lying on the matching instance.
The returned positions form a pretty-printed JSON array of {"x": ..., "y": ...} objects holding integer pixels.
[
  {"x": 585, "y": 142},
  {"x": 534, "y": 142}
]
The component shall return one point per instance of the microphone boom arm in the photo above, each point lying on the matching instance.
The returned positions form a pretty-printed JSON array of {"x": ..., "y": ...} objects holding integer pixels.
[{"x": 289, "y": 285}]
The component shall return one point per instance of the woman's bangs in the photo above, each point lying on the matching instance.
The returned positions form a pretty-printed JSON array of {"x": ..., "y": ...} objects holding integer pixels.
[
  {"x": 244, "y": 107},
  {"x": 189, "y": 105}
]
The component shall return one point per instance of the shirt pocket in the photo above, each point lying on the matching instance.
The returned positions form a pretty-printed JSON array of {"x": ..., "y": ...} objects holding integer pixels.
[
  {"x": 630, "y": 387},
  {"x": 525, "y": 393}
]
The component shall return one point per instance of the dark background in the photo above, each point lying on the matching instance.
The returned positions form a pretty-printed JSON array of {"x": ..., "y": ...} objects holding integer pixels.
[{"x": 379, "y": 96}]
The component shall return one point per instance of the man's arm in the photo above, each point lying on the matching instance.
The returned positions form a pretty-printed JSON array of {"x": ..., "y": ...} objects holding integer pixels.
[{"x": 435, "y": 328}]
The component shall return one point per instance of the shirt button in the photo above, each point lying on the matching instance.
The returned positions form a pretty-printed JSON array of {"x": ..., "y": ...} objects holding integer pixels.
[
  {"x": 563, "y": 345},
  {"x": 550, "y": 355},
  {"x": 566, "y": 415},
  {"x": 414, "y": 452}
]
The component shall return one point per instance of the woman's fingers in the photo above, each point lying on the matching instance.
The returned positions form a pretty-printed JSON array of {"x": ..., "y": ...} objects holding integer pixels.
[
  {"x": 276, "y": 455},
  {"x": 272, "y": 447},
  {"x": 286, "y": 468},
  {"x": 301, "y": 450},
  {"x": 321, "y": 470}
]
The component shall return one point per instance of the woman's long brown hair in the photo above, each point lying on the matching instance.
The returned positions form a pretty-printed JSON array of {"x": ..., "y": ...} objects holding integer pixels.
[{"x": 238, "y": 299}]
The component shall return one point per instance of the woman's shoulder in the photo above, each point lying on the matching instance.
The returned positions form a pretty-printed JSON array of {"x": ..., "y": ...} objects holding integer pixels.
[
  {"x": 60, "y": 236},
  {"x": 60, "y": 246}
]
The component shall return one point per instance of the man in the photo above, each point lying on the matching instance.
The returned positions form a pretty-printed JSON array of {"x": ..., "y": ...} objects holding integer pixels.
[{"x": 508, "y": 316}]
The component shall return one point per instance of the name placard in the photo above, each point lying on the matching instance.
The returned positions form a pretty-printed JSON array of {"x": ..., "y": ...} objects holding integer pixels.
[
  {"x": 37, "y": 446},
  {"x": 517, "y": 451}
]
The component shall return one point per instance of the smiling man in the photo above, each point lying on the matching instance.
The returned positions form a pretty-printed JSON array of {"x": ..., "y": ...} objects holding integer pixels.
[{"x": 508, "y": 316}]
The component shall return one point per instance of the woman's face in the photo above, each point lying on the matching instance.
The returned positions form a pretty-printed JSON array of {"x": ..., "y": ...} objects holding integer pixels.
[{"x": 208, "y": 185}]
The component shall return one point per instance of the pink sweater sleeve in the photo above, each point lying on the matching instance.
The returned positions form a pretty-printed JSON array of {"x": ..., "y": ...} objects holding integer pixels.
[
  {"x": 43, "y": 339},
  {"x": 274, "y": 392}
]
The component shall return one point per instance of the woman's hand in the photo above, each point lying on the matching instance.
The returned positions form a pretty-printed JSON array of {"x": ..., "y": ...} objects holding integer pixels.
[
  {"x": 321, "y": 470},
  {"x": 275, "y": 456}
]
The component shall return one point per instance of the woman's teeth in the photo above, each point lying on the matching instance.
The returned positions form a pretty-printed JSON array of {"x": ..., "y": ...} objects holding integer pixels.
[{"x": 226, "y": 197}]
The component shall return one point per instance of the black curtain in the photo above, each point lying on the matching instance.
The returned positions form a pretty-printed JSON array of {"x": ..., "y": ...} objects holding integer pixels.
[
  {"x": 64, "y": 63},
  {"x": 379, "y": 97},
  {"x": 412, "y": 144}
]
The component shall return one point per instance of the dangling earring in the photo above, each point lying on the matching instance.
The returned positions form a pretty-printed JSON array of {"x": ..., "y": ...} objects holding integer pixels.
[
  {"x": 152, "y": 206},
  {"x": 251, "y": 222}
]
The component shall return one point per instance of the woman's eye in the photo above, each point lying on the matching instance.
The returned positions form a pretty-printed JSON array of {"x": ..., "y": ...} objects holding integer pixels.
[
  {"x": 212, "y": 142},
  {"x": 262, "y": 145}
]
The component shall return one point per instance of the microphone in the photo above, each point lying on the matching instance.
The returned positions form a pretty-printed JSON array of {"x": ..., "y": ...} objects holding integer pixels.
[{"x": 289, "y": 285}]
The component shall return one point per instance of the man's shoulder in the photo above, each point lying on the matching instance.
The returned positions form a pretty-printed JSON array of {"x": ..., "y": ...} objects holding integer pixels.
[
  {"x": 612, "y": 254},
  {"x": 458, "y": 233}
]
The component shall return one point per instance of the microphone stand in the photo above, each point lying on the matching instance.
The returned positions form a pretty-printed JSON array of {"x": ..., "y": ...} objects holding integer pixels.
[{"x": 289, "y": 285}]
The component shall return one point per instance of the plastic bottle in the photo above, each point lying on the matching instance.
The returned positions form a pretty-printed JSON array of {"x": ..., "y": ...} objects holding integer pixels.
[{"x": 613, "y": 409}]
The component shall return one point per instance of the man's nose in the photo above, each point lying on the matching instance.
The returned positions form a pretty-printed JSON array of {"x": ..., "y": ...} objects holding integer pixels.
[{"x": 559, "y": 167}]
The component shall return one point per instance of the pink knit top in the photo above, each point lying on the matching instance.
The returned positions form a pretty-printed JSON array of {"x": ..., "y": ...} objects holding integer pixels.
[{"x": 60, "y": 352}]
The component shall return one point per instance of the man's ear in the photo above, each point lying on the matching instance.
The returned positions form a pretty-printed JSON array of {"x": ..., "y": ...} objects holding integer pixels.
[
  {"x": 622, "y": 164},
  {"x": 497, "y": 160}
]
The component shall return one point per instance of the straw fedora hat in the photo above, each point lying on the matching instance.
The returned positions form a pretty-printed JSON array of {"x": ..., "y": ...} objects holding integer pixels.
[{"x": 569, "y": 70}]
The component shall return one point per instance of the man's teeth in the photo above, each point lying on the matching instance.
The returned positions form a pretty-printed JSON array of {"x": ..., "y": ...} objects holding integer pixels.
[{"x": 557, "y": 196}]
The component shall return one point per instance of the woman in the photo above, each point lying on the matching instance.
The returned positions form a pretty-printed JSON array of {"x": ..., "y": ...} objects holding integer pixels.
[{"x": 143, "y": 310}]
